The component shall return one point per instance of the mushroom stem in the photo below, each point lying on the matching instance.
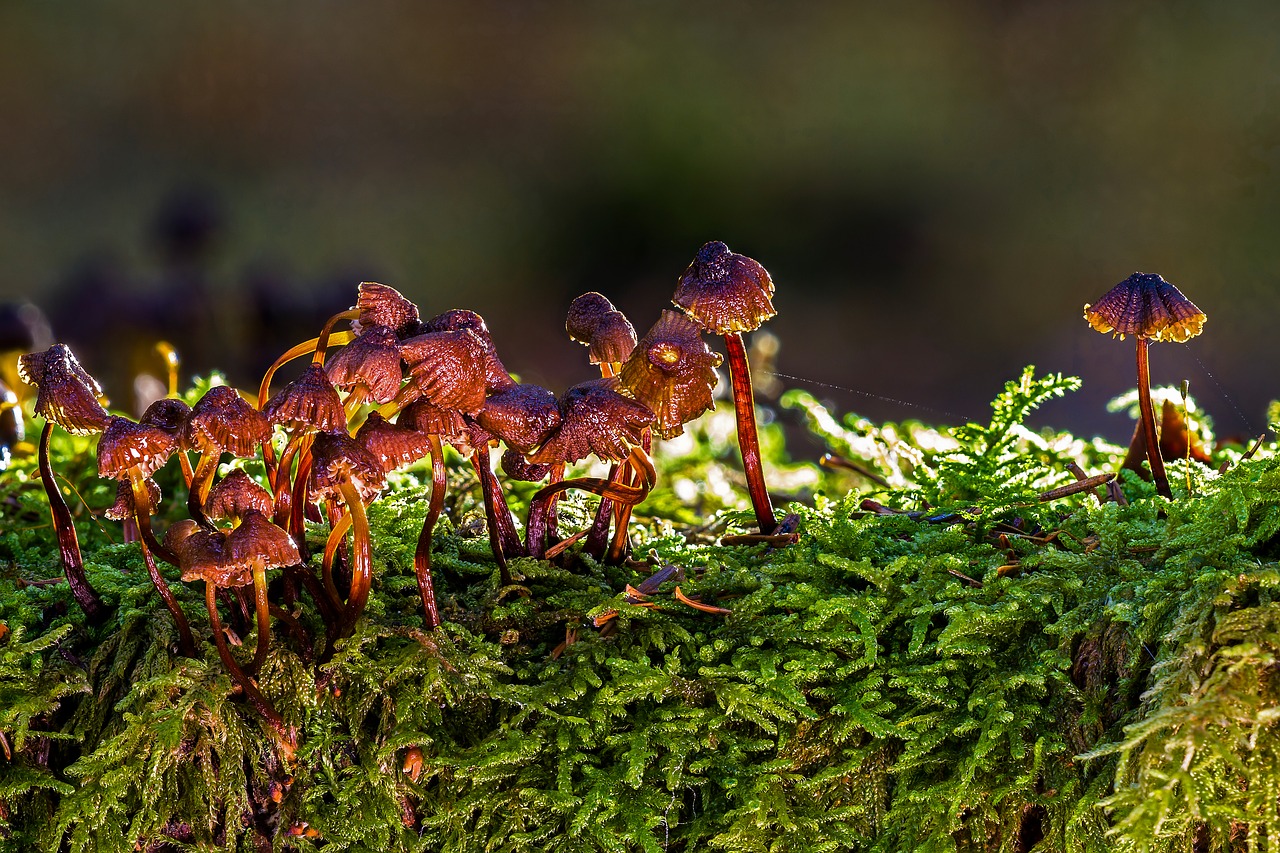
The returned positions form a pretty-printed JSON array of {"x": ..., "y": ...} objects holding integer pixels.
[
  {"x": 748, "y": 440},
  {"x": 301, "y": 497},
  {"x": 201, "y": 482},
  {"x": 355, "y": 399},
  {"x": 480, "y": 461},
  {"x": 259, "y": 702},
  {"x": 264, "y": 389},
  {"x": 598, "y": 535},
  {"x": 326, "y": 333},
  {"x": 361, "y": 557},
  {"x": 184, "y": 462},
  {"x": 422, "y": 554},
  {"x": 639, "y": 473},
  {"x": 331, "y": 546},
  {"x": 142, "y": 514},
  {"x": 616, "y": 492},
  {"x": 262, "y": 614},
  {"x": 1149, "y": 421},
  {"x": 68, "y": 543}
]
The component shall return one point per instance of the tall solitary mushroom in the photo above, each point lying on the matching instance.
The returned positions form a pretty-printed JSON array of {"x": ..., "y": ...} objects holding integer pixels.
[
  {"x": 1149, "y": 308},
  {"x": 728, "y": 294}
]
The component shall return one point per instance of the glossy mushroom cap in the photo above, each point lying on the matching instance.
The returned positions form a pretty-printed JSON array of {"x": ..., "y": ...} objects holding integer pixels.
[
  {"x": 125, "y": 445},
  {"x": 595, "y": 418},
  {"x": 672, "y": 372},
  {"x": 517, "y": 467},
  {"x": 235, "y": 496},
  {"x": 200, "y": 555},
  {"x": 429, "y": 419},
  {"x": 258, "y": 540},
  {"x": 1144, "y": 305},
  {"x": 725, "y": 292},
  {"x": 447, "y": 368},
  {"x": 308, "y": 403},
  {"x": 593, "y": 321},
  {"x": 122, "y": 509},
  {"x": 522, "y": 416},
  {"x": 371, "y": 361},
  {"x": 385, "y": 306},
  {"x": 335, "y": 457},
  {"x": 68, "y": 396},
  {"x": 223, "y": 419},
  {"x": 496, "y": 375},
  {"x": 167, "y": 414},
  {"x": 393, "y": 445}
]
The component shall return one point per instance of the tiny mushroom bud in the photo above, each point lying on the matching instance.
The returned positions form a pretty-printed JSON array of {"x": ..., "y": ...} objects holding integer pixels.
[{"x": 259, "y": 545}]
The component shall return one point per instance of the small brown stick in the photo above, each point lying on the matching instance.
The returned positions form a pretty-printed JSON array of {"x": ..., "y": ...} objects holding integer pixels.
[
  {"x": 976, "y": 584},
  {"x": 830, "y": 460},
  {"x": 1085, "y": 485},
  {"x": 698, "y": 605},
  {"x": 1248, "y": 454}
]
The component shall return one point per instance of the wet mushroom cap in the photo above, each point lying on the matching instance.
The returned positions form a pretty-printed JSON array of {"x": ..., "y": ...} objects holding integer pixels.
[
  {"x": 458, "y": 319},
  {"x": 67, "y": 395},
  {"x": 308, "y": 403},
  {"x": 223, "y": 419},
  {"x": 517, "y": 467},
  {"x": 672, "y": 372},
  {"x": 125, "y": 445},
  {"x": 522, "y": 416},
  {"x": 257, "y": 539},
  {"x": 392, "y": 444},
  {"x": 372, "y": 361},
  {"x": 381, "y": 305},
  {"x": 235, "y": 496},
  {"x": 200, "y": 555},
  {"x": 595, "y": 418},
  {"x": 337, "y": 457},
  {"x": 447, "y": 368},
  {"x": 592, "y": 320},
  {"x": 725, "y": 292},
  {"x": 1144, "y": 305},
  {"x": 122, "y": 509},
  {"x": 167, "y": 414},
  {"x": 429, "y": 419}
]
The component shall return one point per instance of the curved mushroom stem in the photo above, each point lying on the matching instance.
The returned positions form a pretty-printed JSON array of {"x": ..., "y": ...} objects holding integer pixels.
[
  {"x": 201, "y": 482},
  {"x": 171, "y": 363},
  {"x": 262, "y": 615},
  {"x": 361, "y": 558},
  {"x": 326, "y": 333},
  {"x": 480, "y": 461},
  {"x": 142, "y": 518},
  {"x": 336, "y": 537},
  {"x": 264, "y": 388},
  {"x": 184, "y": 462},
  {"x": 68, "y": 543},
  {"x": 422, "y": 554},
  {"x": 643, "y": 475},
  {"x": 1149, "y": 422},
  {"x": 598, "y": 535},
  {"x": 748, "y": 441},
  {"x": 355, "y": 399},
  {"x": 617, "y": 492},
  {"x": 287, "y": 739},
  {"x": 301, "y": 496},
  {"x": 142, "y": 514}
]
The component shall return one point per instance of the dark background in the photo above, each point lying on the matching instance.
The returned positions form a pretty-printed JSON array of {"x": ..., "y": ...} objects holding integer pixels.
[{"x": 937, "y": 188}]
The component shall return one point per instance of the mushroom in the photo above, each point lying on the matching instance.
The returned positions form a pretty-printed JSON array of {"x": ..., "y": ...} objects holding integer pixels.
[
  {"x": 728, "y": 294},
  {"x": 672, "y": 372},
  {"x": 235, "y": 496},
  {"x": 171, "y": 416},
  {"x": 380, "y": 305},
  {"x": 122, "y": 509},
  {"x": 446, "y": 368},
  {"x": 1149, "y": 308},
  {"x": 259, "y": 545},
  {"x": 593, "y": 321},
  {"x": 367, "y": 369},
  {"x": 220, "y": 422},
  {"x": 459, "y": 319}
]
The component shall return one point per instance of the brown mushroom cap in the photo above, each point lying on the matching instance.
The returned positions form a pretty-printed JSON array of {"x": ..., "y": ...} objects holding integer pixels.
[
  {"x": 223, "y": 419},
  {"x": 125, "y": 445},
  {"x": 672, "y": 372},
  {"x": 385, "y": 306},
  {"x": 725, "y": 292},
  {"x": 235, "y": 496},
  {"x": 595, "y": 418},
  {"x": 392, "y": 444},
  {"x": 122, "y": 509},
  {"x": 517, "y": 467},
  {"x": 447, "y": 368},
  {"x": 1146, "y": 306},
  {"x": 167, "y": 414},
  {"x": 308, "y": 403},
  {"x": 335, "y": 457},
  {"x": 258, "y": 540},
  {"x": 200, "y": 555},
  {"x": 522, "y": 416},
  {"x": 429, "y": 419},
  {"x": 68, "y": 396},
  {"x": 592, "y": 320},
  {"x": 496, "y": 375},
  {"x": 372, "y": 361}
]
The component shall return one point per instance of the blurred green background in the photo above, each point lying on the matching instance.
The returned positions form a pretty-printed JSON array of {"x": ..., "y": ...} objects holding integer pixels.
[{"x": 937, "y": 188}]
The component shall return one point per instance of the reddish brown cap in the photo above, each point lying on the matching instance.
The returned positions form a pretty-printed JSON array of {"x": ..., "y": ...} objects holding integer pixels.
[
  {"x": 593, "y": 321},
  {"x": 429, "y": 419},
  {"x": 394, "y": 445},
  {"x": 595, "y": 418},
  {"x": 308, "y": 403},
  {"x": 385, "y": 306},
  {"x": 521, "y": 416},
  {"x": 167, "y": 414},
  {"x": 517, "y": 467},
  {"x": 496, "y": 375},
  {"x": 447, "y": 369},
  {"x": 235, "y": 496},
  {"x": 725, "y": 292},
  {"x": 125, "y": 445},
  {"x": 257, "y": 541},
  {"x": 335, "y": 457},
  {"x": 68, "y": 396},
  {"x": 223, "y": 419},
  {"x": 1146, "y": 306},
  {"x": 672, "y": 372},
  {"x": 372, "y": 361},
  {"x": 200, "y": 555},
  {"x": 122, "y": 509}
]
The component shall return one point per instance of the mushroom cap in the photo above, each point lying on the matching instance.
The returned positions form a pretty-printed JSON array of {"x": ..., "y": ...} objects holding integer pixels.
[
  {"x": 125, "y": 445},
  {"x": 447, "y": 368},
  {"x": 258, "y": 539},
  {"x": 725, "y": 292},
  {"x": 223, "y": 418},
  {"x": 1146, "y": 306},
  {"x": 392, "y": 444},
  {"x": 595, "y": 418},
  {"x": 593, "y": 321},
  {"x": 672, "y": 372},
  {"x": 495, "y": 374},
  {"x": 429, "y": 419},
  {"x": 522, "y": 416},
  {"x": 68, "y": 396},
  {"x": 337, "y": 457},
  {"x": 168, "y": 414},
  {"x": 517, "y": 467},
  {"x": 309, "y": 403},
  {"x": 122, "y": 509},
  {"x": 235, "y": 496},
  {"x": 371, "y": 360},
  {"x": 200, "y": 555},
  {"x": 385, "y": 306}
]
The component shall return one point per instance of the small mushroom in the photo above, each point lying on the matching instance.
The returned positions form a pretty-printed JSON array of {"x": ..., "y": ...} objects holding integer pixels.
[
  {"x": 672, "y": 372},
  {"x": 728, "y": 294},
  {"x": 459, "y": 319},
  {"x": 367, "y": 369},
  {"x": 220, "y": 422},
  {"x": 304, "y": 407},
  {"x": 171, "y": 416},
  {"x": 380, "y": 305},
  {"x": 445, "y": 368},
  {"x": 594, "y": 322},
  {"x": 1149, "y": 308},
  {"x": 259, "y": 545},
  {"x": 235, "y": 496},
  {"x": 393, "y": 445},
  {"x": 521, "y": 416}
]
